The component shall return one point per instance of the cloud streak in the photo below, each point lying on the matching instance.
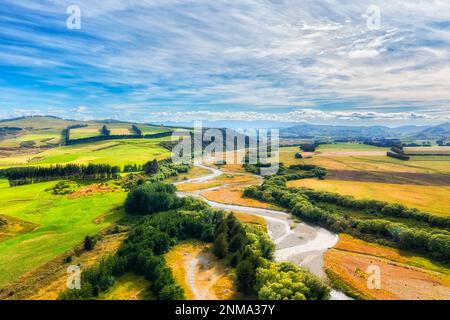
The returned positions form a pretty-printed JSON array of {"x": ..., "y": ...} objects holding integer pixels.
[{"x": 268, "y": 57}]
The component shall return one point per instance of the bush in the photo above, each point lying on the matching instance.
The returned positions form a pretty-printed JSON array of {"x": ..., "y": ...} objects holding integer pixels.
[
  {"x": 89, "y": 243},
  {"x": 151, "y": 198}
]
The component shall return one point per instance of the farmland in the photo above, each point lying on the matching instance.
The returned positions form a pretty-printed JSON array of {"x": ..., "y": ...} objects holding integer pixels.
[
  {"x": 364, "y": 172},
  {"x": 61, "y": 224},
  {"x": 116, "y": 152},
  {"x": 425, "y": 198},
  {"x": 53, "y": 225},
  {"x": 403, "y": 274},
  {"x": 38, "y": 221}
]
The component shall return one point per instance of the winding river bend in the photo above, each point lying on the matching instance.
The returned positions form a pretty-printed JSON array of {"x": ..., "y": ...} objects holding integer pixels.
[{"x": 297, "y": 242}]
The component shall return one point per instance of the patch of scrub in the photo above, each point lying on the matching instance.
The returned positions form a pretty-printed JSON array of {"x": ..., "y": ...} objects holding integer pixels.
[
  {"x": 10, "y": 227},
  {"x": 129, "y": 287}
]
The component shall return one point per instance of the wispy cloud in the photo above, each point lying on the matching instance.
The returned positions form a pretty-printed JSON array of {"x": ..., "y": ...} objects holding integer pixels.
[{"x": 256, "y": 57}]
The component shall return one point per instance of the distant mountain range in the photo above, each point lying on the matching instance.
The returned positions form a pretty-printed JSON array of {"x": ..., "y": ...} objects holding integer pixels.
[
  {"x": 441, "y": 131},
  {"x": 287, "y": 130},
  {"x": 305, "y": 130}
]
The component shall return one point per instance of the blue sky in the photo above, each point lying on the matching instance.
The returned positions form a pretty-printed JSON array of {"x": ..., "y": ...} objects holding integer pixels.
[{"x": 180, "y": 60}]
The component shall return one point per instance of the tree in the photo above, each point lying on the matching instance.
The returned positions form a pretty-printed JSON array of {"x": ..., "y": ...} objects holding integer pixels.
[
  {"x": 298, "y": 155},
  {"x": 89, "y": 243},
  {"x": 151, "y": 198},
  {"x": 237, "y": 242},
  {"x": 105, "y": 131},
  {"x": 246, "y": 277},
  {"x": 220, "y": 246},
  {"x": 151, "y": 167},
  {"x": 286, "y": 281},
  {"x": 319, "y": 173},
  {"x": 171, "y": 292}
]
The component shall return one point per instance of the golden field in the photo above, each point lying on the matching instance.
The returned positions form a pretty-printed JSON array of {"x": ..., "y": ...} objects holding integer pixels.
[{"x": 426, "y": 198}]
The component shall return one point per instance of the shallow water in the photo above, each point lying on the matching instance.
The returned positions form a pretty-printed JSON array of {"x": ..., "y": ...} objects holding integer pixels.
[{"x": 297, "y": 242}]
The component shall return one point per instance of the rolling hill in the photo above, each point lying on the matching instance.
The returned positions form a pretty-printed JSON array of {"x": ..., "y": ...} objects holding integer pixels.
[
  {"x": 305, "y": 130},
  {"x": 441, "y": 131}
]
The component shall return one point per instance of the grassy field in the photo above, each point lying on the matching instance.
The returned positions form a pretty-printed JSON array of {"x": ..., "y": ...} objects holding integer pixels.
[
  {"x": 348, "y": 146},
  {"x": 404, "y": 275},
  {"x": 94, "y": 129},
  {"x": 149, "y": 129},
  {"x": 62, "y": 224},
  {"x": 193, "y": 173},
  {"x": 347, "y": 161},
  {"x": 41, "y": 130},
  {"x": 114, "y": 152},
  {"x": 48, "y": 280},
  {"x": 129, "y": 287},
  {"x": 38, "y": 138},
  {"x": 91, "y": 130},
  {"x": 427, "y": 150},
  {"x": 426, "y": 198}
]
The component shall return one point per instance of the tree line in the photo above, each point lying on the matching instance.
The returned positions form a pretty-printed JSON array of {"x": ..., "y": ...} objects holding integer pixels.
[
  {"x": 28, "y": 175},
  {"x": 105, "y": 134},
  {"x": 170, "y": 220},
  {"x": 249, "y": 250},
  {"x": 143, "y": 251},
  {"x": 433, "y": 241}
]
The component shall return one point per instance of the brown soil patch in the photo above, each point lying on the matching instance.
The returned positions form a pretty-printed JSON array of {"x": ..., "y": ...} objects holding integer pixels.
[
  {"x": 398, "y": 282},
  {"x": 234, "y": 195},
  {"x": 90, "y": 190},
  {"x": 251, "y": 219},
  {"x": 48, "y": 280},
  {"x": 200, "y": 273},
  {"x": 223, "y": 180}
]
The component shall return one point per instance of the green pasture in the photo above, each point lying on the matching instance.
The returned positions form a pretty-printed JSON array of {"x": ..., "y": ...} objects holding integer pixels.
[
  {"x": 62, "y": 224},
  {"x": 113, "y": 152}
]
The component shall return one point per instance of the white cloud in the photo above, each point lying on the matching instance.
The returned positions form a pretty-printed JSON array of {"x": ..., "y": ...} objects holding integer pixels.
[
  {"x": 293, "y": 116},
  {"x": 250, "y": 54},
  {"x": 358, "y": 54},
  {"x": 80, "y": 109}
]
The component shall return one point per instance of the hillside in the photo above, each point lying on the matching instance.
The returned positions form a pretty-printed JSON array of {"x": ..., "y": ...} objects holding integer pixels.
[
  {"x": 35, "y": 132},
  {"x": 441, "y": 131},
  {"x": 305, "y": 130}
]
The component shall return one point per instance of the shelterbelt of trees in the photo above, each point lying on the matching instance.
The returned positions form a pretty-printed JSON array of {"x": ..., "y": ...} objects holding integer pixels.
[
  {"x": 105, "y": 134},
  {"x": 157, "y": 170},
  {"x": 306, "y": 170},
  {"x": 416, "y": 230},
  {"x": 167, "y": 220},
  {"x": 28, "y": 175}
]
